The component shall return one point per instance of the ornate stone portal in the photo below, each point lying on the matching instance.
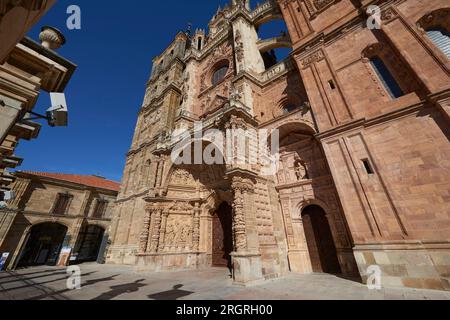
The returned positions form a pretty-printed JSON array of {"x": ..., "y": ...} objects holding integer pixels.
[{"x": 177, "y": 230}]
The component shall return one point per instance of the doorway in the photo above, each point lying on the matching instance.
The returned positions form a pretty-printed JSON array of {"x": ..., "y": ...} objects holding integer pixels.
[
  {"x": 319, "y": 238},
  {"x": 222, "y": 239},
  {"x": 43, "y": 245},
  {"x": 89, "y": 243}
]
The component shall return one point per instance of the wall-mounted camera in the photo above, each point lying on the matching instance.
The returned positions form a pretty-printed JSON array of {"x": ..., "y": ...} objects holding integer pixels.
[{"x": 57, "y": 115}]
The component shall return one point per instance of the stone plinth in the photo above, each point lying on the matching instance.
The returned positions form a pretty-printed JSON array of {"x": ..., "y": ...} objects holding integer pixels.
[
  {"x": 247, "y": 268},
  {"x": 171, "y": 262},
  {"x": 410, "y": 265}
]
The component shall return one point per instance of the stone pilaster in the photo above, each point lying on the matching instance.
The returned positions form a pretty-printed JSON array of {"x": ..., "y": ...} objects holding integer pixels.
[
  {"x": 162, "y": 231},
  {"x": 155, "y": 232},
  {"x": 145, "y": 233},
  {"x": 247, "y": 267},
  {"x": 247, "y": 55},
  {"x": 20, "y": 187}
]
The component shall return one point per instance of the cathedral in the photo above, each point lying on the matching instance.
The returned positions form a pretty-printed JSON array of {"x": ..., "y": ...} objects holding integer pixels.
[{"x": 360, "y": 109}]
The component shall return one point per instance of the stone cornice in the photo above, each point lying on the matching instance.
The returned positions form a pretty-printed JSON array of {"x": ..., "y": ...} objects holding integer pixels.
[
  {"x": 66, "y": 216},
  {"x": 362, "y": 123}
]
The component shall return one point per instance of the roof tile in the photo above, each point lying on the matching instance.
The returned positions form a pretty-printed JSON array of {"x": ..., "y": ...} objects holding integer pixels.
[{"x": 87, "y": 180}]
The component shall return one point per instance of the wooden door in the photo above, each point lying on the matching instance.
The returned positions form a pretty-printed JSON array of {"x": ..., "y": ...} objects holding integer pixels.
[{"x": 222, "y": 241}]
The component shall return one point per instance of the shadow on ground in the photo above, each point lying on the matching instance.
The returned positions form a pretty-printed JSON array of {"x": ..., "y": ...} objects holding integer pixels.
[{"x": 173, "y": 294}]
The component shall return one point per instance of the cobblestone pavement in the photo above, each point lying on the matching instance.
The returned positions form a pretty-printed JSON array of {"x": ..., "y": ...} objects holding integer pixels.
[{"x": 110, "y": 282}]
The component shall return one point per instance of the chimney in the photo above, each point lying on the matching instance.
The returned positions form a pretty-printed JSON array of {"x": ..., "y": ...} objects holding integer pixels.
[{"x": 51, "y": 38}]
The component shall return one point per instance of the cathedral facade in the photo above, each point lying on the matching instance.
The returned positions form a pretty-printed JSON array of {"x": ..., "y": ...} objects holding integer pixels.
[{"x": 360, "y": 110}]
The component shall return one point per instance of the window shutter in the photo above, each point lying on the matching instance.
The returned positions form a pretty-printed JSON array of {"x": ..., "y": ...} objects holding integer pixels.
[{"x": 441, "y": 39}]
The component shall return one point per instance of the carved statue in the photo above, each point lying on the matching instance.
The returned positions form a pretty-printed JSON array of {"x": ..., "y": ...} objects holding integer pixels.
[
  {"x": 301, "y": 170},
  {"x": 170, "y": 235}
]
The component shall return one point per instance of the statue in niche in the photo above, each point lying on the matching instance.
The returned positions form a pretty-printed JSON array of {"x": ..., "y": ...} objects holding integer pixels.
[
  {"x": 170, "y": 234},
  {"x": 301, "y": 171}
]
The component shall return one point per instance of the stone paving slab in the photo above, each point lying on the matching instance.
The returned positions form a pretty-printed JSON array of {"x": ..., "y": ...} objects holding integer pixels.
[{"x": 112, "y": 282}]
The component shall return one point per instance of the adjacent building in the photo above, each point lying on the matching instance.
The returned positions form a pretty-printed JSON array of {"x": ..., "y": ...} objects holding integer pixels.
[
  {"x": 28, "y": 69},
  {"x": 56, "y": 214},
  {"x": 362, "y": 114}
]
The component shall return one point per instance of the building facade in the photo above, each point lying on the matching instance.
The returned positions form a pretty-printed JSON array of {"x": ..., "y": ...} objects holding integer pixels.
[
  {"x": 362, "y": 115},
  {"x": 16, "y": 18},
  {"x": 55, "y": 214}
]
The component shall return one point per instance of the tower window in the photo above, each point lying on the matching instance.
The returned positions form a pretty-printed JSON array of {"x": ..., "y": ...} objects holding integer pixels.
[
  {"x": 386, "y": 78},
  {"x": 199, "y": 43},
  {"x": 368, "y": 167},
  {"x": 441, "y": 39},
  {"x": 332, "y": 85},
  {"x": 219, "y": 75}
]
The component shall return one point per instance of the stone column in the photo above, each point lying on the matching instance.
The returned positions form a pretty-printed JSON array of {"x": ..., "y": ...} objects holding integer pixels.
[
  {"x": 196, "y": 228},
  {"x": 247, "y": 266},
  {"x": 240, "y": 240}
]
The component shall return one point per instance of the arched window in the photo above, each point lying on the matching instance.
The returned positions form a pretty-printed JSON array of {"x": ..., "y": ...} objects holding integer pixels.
[
  {"x": 441, "y": 38},
  {"x": 386, "y": 78},
  {"x": 219, "y": 75}
]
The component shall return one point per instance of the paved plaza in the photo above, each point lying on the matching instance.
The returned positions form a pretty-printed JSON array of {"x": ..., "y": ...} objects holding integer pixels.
[{"x": 110, "y": 282}]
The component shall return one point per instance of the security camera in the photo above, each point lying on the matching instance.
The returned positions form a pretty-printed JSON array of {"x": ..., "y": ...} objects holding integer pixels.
[{"x": 57, "y": 115}]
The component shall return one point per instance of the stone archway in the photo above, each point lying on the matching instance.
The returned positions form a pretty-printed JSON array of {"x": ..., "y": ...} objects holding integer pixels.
[
  {"x": 43, "y": 245},
  {"x": 319, "y": 239}
]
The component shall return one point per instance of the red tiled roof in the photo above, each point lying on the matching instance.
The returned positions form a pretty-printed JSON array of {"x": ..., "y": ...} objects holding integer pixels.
[{"x": 86, "y": 180}]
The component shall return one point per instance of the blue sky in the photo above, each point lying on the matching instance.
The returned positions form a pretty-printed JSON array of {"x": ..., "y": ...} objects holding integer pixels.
[{"x": 113, "y": 51}]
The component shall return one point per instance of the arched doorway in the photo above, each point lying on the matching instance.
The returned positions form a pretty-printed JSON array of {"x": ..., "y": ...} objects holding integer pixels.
[
  {"x": 319, "y": 238},
  {"x": 222, "y": 239},
  {"x": 89, "y": 243},
  {"x": 43, "y": 245}
]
